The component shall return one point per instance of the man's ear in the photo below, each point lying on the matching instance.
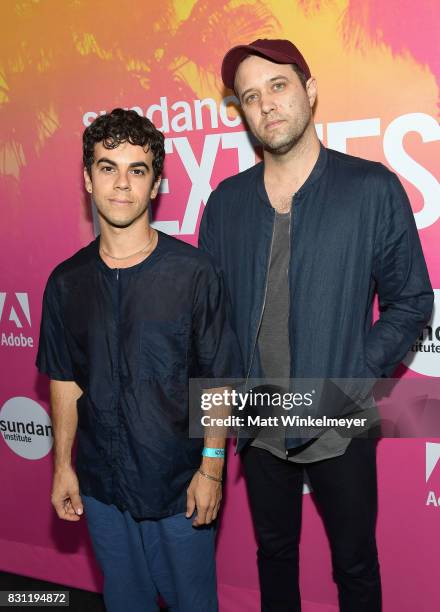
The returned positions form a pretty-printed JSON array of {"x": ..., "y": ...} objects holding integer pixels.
[
  {"x": 87, "y": 181},
  {"x": 312, "y": 91},
  {"x": 155, "y": 188}
]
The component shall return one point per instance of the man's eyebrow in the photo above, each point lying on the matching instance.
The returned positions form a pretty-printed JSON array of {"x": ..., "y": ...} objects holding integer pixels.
[
  {"x": 279, "y": 76},
  {"x": 137, "y": 164},
  {"x": 106, "y": 160},
  {"x": 275, "y": 78}
]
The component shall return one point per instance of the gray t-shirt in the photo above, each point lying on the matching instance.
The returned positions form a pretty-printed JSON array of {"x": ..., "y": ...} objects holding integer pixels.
[{"x": 274, "y": 349}]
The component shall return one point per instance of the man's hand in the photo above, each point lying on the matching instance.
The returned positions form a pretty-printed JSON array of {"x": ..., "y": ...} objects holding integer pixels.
[
  {"x": 66, "y": 500},
  {"x": 65, "y": 494},
  {"x": 203, "y": 495}
]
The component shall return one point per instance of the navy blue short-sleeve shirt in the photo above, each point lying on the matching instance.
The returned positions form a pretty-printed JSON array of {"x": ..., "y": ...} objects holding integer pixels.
[{"x": 131, "y": 339}]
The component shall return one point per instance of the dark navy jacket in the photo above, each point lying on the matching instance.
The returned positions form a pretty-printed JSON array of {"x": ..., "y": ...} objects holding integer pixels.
[
  {"x": 131, "y": 339},
  {"x": 352, "y": 234}
]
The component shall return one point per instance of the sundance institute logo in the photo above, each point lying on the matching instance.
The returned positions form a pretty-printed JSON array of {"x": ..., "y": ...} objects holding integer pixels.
[
  {"x": 26, "y": 428},
  {"x": 424, "y": 355}
]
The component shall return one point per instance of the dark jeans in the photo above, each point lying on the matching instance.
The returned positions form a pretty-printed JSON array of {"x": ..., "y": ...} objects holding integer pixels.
[{"x": 345, "y": 489}]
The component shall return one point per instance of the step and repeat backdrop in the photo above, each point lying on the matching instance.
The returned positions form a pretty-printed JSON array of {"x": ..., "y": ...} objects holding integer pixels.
[{"x": 64, "y": 63}]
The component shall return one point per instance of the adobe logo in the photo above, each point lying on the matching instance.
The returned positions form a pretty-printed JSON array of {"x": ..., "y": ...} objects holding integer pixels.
[
  {"x": 15, "y": 313},
  {"x": 432, "y": 458},
  {"x": 21, "y": 300}
]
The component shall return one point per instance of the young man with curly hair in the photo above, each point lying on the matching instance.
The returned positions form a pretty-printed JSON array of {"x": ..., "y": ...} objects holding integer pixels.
[{"x": 127, "y": 320}]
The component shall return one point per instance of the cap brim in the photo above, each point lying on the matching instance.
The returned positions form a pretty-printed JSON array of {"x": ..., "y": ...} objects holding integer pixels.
[{"x": 237, "y": 54}]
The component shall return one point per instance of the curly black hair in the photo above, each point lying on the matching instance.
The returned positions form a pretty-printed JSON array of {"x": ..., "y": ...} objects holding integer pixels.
[{"x": 121, "y": 126}]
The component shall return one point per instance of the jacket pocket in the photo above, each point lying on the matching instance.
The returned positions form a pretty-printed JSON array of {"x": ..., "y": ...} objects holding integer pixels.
[
  {"x": 163, "y": 349},
  {"x": 367, "y": 372}
]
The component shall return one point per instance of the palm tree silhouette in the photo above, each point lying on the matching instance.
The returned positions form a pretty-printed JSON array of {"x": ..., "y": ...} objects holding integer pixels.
[{"x": 60, "y": 59}]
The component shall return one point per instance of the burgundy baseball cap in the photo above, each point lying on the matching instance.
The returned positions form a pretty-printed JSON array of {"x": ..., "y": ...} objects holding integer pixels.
[{"x": 276, "y": 50}]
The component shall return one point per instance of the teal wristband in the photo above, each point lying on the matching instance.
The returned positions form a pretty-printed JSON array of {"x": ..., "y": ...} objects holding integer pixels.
[{"x": 214, "y": 452}]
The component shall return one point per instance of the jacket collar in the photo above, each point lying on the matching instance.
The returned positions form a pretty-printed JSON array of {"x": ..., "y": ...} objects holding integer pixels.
[{"x": 315, "y": 174}]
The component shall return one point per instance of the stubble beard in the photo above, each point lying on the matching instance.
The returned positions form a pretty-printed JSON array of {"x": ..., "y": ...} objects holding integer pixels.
[{"x": 290, "y": 140}]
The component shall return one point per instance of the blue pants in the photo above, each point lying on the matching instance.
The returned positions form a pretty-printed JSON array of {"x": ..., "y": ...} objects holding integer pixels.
[{"x": 140, "y": 559}]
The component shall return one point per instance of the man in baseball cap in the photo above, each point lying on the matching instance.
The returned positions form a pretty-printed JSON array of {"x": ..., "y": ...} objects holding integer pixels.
[{"x": 304, "y": 239}]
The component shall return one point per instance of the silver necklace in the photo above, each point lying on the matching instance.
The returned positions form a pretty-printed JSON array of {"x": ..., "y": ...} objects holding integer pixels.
[{"x": 132, "y": 254}]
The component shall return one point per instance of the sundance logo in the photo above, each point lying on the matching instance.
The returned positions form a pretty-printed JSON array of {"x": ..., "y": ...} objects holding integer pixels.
[
  {"x": 432, "y": 459},
  {"x": 424, "y": 355},
  {"x": 15, "y": 314},
  {"x": 26, "y": 428}
]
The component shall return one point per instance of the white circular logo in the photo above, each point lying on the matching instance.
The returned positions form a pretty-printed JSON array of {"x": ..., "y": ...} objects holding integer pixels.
[
  {"x": 424, "y": 355},
  {"x": 26, "y": 428}
]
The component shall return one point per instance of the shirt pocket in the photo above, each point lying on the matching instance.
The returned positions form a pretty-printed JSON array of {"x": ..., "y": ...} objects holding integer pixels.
[{"x": 164, "y": 349}]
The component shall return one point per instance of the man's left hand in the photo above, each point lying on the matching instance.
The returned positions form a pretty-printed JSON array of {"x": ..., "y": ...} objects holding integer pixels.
[{"x": 204, "y": 496}]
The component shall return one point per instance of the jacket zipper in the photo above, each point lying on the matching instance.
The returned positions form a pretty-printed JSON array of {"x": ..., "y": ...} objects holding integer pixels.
[
  {"x": 264, "y": 303},
  {"x": 261, "y": 316},
  {"x": 292, "y": 209}
]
